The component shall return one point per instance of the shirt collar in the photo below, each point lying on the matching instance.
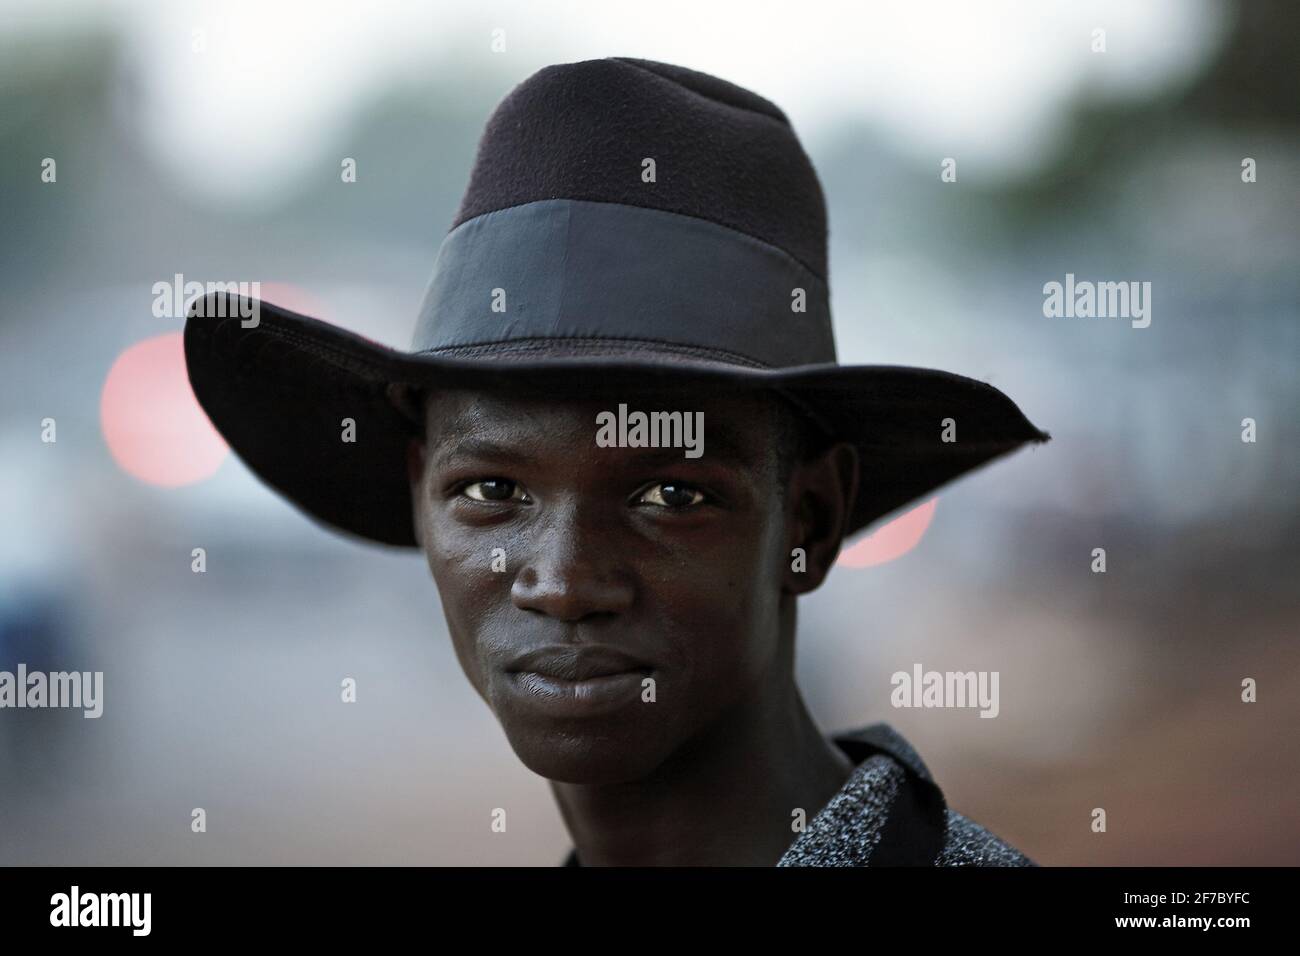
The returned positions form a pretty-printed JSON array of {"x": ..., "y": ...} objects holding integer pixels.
[{"x": 889, "y": 812}]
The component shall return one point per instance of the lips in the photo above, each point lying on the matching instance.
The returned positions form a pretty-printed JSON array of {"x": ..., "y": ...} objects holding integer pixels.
[{"x": 576, "y": 663}]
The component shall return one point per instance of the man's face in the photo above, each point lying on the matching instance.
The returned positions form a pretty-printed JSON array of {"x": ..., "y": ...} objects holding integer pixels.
[{"x": 543, "y": 542}]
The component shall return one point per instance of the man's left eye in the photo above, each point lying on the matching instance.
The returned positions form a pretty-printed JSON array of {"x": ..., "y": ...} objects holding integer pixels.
[{"x": 671, "y": 494}]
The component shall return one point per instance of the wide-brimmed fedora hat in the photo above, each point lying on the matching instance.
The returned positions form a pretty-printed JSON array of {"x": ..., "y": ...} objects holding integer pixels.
[{"x": 626, "y": 222}]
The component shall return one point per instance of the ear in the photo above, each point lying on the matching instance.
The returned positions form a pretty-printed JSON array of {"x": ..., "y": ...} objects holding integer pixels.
[
  {"x": 819, "y": 498},
  {"x": 415, "y": 478},
  {"x": 409, "y": 403},
  {"x": 414, "y": 463}
]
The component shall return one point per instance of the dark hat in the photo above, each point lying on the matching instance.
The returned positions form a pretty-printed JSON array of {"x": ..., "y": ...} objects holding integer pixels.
[{"x": 626, "y": 222}]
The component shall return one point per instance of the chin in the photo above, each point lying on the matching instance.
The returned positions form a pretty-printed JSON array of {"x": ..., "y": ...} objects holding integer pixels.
[{"x": 588, "y": 752}]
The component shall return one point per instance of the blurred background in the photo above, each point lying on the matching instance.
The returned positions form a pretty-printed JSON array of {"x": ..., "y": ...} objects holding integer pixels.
[{"x": 207, "y": 140}]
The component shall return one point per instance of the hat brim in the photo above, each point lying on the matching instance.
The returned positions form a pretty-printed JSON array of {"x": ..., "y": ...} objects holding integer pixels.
[{"x": 278, "y": 393}]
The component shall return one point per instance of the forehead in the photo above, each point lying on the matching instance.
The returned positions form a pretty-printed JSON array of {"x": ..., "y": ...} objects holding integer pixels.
[{"x": 740, "y": 423}]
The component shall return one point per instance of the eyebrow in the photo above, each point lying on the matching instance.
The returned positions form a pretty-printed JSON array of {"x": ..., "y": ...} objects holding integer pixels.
[
  {"x": 481, "y": 448},
  {"x": 720, "y": 444}
]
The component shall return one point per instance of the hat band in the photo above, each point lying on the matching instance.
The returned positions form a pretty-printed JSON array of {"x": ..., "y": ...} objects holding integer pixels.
[{"x": 575, "y": 269}]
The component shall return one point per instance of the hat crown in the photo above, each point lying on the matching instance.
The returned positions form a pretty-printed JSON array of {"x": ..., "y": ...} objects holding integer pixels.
[
  {"x": 721, "y": 152},
  {"x": 630, "y": 201}
]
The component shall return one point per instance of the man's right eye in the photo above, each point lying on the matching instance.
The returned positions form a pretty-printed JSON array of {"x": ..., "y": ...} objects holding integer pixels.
[{"x": 494, "y": 489}]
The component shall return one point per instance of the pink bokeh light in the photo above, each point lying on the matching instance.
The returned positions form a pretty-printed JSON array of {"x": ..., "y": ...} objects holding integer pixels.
[
  {"x": 891, "y": 541},
  {"x": 153, "y": 424}
]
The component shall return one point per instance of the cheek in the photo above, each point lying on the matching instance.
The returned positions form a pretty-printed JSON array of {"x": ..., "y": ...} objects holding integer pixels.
[
  {"x": 722, "y": 606},
  {"x": 471, "y": 591},
  {"x": 461, "y": 559}
]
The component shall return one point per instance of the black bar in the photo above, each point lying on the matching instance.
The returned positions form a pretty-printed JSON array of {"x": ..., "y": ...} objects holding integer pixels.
[{"x": 521, "y": 906}]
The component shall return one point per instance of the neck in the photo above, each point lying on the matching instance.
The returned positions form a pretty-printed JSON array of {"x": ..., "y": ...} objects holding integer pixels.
[{"x": 724, "y": 798}]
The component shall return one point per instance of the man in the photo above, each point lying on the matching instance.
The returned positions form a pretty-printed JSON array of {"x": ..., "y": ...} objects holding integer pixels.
[{"x": 625, "y": 446}]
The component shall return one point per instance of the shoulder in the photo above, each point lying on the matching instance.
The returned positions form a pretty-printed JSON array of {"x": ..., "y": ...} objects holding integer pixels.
[{"x": 966, "y": 843}]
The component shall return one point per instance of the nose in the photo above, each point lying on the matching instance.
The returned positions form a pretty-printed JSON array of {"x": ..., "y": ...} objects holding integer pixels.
[{"x": 572, "y": 571}]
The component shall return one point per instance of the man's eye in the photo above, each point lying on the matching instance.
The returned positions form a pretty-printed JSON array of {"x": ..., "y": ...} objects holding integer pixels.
[
  {"x": 670, "y": 494},
  {"x": 494, "y": 489}
]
